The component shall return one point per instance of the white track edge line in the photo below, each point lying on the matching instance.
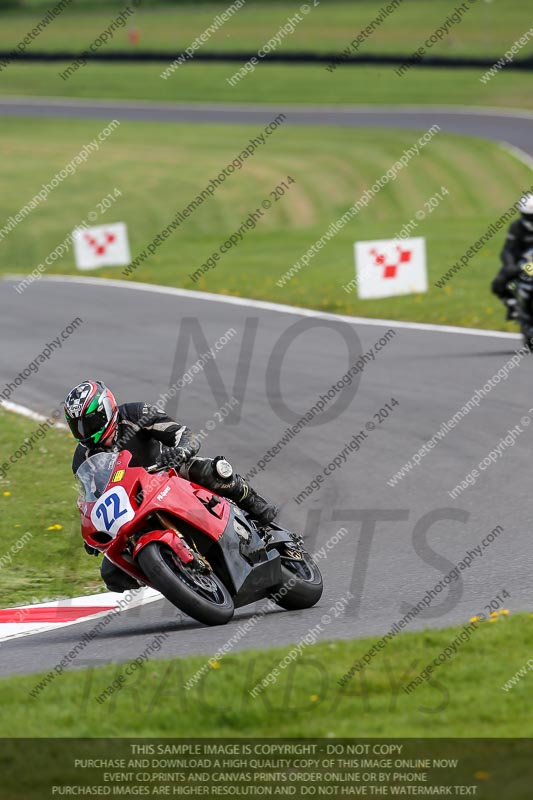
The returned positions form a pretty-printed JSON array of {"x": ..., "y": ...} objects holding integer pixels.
[
  {"x": 342, "y": 108},
  {"x": 518, "y": 153},
  {"x": 276, "y": 307},
  {"x": 24, "y": 411},
  {"x": 55, "y": 626}
]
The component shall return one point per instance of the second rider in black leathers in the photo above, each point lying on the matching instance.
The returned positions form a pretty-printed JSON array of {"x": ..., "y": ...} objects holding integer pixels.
[{"x": 518, "y": 241}]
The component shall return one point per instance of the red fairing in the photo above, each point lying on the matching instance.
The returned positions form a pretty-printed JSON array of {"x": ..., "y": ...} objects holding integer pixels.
[
  {"x": 166, "y": 492},
  {"x": 184, "y": 500},
  {"x": 169, "y": 537}
]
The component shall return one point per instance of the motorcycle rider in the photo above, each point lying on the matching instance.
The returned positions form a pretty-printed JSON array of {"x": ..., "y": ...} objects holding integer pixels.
[
  {"x": 518, "y": 241},
  {"x": 99, "y": 424}
]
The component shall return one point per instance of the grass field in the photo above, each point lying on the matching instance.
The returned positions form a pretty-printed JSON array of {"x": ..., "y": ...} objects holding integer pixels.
[
  {"x": 160, "y": 168},
  {"x": 329, "y": 26},
  {"x": 488, "y": 29},
  {"x": 462, "y": 698},
  {"x": 277, "y": 84},
  {"x": 42, "y": 556}
]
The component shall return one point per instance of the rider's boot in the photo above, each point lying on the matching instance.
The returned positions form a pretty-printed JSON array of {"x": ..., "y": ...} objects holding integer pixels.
[
  {"x": 511, "y": 306},
  {"x": 255, "y": 505},
  {"x": 234, "y": 486}
]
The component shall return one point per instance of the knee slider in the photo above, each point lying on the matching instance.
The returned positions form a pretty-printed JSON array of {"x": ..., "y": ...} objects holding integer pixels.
[{"x": 222, "y": 468}]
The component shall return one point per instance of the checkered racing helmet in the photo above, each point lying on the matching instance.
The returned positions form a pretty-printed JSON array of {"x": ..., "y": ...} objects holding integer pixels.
[{"x": 91, "y": 412}]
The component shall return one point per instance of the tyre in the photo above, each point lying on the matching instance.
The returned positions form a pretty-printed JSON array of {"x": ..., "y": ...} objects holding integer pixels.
[
  {"x": 301, "y": 586},
  {"x": 527, "y": 333},
  {"x": 203, "y": 597}
]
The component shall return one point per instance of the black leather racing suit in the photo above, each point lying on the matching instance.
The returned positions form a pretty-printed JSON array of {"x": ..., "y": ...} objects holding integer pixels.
[
  {"x": 149, "y": 434},
  {"x": 518, "y": 241}
]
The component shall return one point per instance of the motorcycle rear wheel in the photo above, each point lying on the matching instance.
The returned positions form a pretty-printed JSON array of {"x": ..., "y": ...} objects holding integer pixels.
[
  {"x": 202, "y": 597},
  {"x": 301, "y": 586},
  {"x": 528, "y": 338}
]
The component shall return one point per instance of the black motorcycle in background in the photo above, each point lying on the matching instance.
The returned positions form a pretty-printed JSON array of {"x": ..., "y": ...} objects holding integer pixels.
[{"x": 523, "y": 292}]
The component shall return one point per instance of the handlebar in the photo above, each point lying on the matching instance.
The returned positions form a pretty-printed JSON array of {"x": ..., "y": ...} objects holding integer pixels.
[
  {"x": 155, "y": 468},
  {"x": 161, "y": 467}
]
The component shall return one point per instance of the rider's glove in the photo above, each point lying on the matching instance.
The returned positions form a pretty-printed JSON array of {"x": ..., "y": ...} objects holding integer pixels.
[
  {"x": 92, "y": 551},
  {"x": 174, "y": 456}
]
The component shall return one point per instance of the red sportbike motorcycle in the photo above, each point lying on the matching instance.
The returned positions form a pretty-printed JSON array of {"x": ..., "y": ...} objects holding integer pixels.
[{"x": 201, "y": 551}]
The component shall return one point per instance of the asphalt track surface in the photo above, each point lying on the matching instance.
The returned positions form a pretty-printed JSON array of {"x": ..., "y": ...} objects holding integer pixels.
[
  {"x": 128, "y": 339},
  {"x": 514, "y": 127}
]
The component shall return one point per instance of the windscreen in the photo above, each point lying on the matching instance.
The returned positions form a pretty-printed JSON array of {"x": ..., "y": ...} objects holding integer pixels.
[{"x": 94, "y": 474}]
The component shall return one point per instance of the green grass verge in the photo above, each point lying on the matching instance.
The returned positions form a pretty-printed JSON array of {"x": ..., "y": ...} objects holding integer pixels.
[
  {"x": 278, "y": 84},
  {"x": 329, "y": 26},
  {"x": 37, "y": 493},
  {"x": 160, "y": 168},
  {"x": 487, "y": 29},
  {"x": 463, "y": 697}
]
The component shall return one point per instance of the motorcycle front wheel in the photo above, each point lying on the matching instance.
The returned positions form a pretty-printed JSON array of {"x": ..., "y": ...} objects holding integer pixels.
[{"x": 200, "y": 595}]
